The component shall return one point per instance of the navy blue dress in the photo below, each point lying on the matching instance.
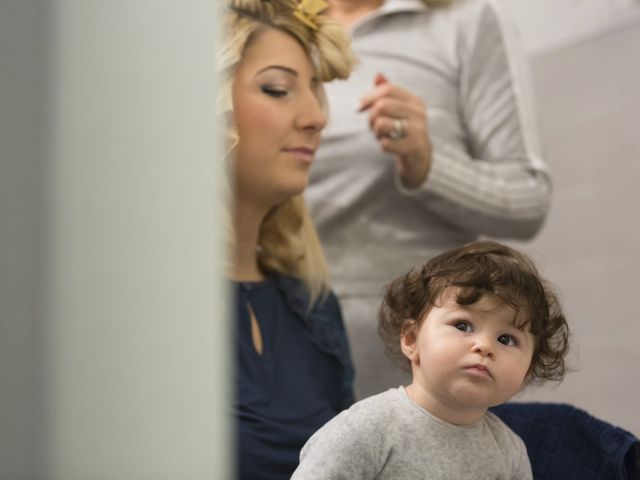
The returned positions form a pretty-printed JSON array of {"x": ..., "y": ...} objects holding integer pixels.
[{"x": 294, "y": 387}]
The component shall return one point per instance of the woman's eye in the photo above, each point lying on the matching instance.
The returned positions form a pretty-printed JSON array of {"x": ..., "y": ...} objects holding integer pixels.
[
  {"x": 274, "y": 91},
  {"x": 463, "y": 326},
  {"x": 507, "y": 340}
]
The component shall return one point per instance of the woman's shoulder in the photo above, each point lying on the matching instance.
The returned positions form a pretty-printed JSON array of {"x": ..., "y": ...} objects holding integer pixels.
[{"x": 297, "y": 295}]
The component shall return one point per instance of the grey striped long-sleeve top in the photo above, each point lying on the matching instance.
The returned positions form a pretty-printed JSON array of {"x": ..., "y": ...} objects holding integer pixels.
[{"x": 487, "y": 176}]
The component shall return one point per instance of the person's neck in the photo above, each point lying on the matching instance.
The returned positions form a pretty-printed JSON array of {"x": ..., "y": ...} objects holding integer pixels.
[
  {"x": 346, "y": 12},
  {"x": 450, "y": 413},
  {"x": 246, "y": 223}
]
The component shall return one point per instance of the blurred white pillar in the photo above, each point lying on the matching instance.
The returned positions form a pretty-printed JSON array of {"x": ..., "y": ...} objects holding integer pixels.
[
  {"x": 135, "y": 328},
  {"x": 21, "y": 106},
  {"x": 113, "y": 333}
]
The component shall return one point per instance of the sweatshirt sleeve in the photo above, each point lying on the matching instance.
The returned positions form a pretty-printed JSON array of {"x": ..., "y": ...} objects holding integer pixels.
[
  {"x": 521, "y": 465},
  {"x": 498, "y": 185},
  {"x": 338, "y": 451}
]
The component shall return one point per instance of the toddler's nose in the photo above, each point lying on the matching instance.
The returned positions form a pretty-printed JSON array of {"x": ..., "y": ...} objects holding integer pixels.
[{"x": 483, "y": 346}]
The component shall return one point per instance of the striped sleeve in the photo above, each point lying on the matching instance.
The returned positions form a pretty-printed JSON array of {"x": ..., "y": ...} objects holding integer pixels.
[{"x": 498, "y": 184}]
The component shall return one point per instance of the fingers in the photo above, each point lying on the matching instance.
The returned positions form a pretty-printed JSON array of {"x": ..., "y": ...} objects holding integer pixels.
[
  {"x": 383, "y": 89},
  {"x": 398, "y": 119},
  {"x": 383, "y": 127},
  {"x": 389, "y": 100},
  {"x": 395, "y": 108},
  {"x": 380, "y": 79}
]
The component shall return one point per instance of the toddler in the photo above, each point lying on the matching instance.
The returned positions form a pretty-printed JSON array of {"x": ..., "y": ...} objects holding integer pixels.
[{"x": 474, "y": 325}]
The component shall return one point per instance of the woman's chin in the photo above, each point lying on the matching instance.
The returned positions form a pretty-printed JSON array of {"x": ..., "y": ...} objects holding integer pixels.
[{"x": 292, "y": 189}]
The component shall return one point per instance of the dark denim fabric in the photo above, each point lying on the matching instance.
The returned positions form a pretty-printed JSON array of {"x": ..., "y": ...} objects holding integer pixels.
[
  {"x": 565, "y": 442},
  {"x": 326, "y": 328}
]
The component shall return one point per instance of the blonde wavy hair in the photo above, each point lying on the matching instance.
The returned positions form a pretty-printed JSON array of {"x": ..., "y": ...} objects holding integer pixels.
[{"x": 288, "y": 241}]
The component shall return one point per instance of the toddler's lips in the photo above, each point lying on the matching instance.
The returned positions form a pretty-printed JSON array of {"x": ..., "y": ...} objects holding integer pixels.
[{"x": 479, "y": 369}]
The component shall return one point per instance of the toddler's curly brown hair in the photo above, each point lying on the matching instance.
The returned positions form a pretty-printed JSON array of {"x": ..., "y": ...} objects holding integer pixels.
[{"x": 474, "y": 270}]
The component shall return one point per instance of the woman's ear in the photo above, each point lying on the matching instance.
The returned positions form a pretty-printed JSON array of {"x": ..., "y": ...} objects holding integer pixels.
[{"x": 409, "y": 340}]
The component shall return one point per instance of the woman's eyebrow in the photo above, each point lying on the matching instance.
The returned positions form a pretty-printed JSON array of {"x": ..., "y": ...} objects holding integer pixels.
[{"x": 288, "y": 70}]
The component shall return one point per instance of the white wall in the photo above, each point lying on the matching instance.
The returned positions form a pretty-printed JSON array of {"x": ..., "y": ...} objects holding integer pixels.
[
  {"x": 549, "y": 24},
  {"x": 589, "y": 105}
]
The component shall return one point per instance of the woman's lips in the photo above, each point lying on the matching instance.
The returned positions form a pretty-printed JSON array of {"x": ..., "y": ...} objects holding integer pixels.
[{"x": 302, "y": 153}]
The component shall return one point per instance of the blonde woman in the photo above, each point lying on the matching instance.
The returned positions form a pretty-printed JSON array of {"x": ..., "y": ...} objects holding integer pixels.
[
  {"x": 293, "y": 368},
  {"x": 431, "y": 144}
]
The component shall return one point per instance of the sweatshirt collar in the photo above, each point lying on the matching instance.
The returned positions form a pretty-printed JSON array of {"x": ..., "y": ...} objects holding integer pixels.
[
  {"x": 402, "y": 6},
  {"x": 390, "y": 7}
]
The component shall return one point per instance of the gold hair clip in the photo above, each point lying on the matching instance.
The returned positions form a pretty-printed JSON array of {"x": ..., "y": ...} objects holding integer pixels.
[{"x": 308, "y": 10}]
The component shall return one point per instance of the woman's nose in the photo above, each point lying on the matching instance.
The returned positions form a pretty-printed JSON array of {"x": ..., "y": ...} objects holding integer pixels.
[{"x": 311, "y": 116}]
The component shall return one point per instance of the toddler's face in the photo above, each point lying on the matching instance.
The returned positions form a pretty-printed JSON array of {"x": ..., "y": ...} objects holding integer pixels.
[{"x": 469, "y": 356}]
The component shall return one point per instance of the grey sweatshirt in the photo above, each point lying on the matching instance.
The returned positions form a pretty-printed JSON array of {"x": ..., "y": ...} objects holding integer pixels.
[{"x": 389, "y": 437}]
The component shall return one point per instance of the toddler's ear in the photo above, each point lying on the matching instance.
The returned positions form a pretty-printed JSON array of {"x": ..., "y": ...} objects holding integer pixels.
[{"x": 409, "y": 340}]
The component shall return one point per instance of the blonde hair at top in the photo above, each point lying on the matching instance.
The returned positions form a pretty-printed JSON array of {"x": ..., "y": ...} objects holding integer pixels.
[{"x": 288, "y": 242}]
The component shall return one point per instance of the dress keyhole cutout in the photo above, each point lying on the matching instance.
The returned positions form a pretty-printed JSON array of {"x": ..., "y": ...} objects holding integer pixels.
[{"x": 256, "y": 334}]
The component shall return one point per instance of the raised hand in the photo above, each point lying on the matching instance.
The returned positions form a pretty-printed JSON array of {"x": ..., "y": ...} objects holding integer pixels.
[{"x": 398, "y": 119}]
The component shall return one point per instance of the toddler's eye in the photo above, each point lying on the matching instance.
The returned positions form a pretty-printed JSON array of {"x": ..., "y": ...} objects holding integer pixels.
[
  {"x": 463, "y": 326},
  {"x": 507, "y": 340},
  {"x": 274, "y": 91}
]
